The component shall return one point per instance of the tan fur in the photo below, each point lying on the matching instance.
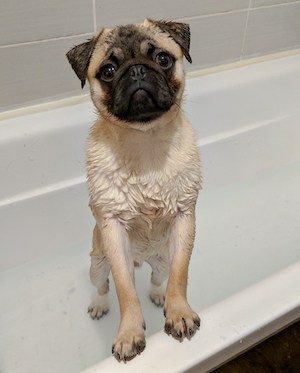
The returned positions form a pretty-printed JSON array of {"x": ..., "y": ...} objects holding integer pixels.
[{"x": 143, "y": 182}]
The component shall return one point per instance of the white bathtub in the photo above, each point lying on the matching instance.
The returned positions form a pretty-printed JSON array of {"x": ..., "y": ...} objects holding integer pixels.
[{"x": 245, "y": 270}]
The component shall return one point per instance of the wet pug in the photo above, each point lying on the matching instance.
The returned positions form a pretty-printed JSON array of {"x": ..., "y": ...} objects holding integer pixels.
[{"x": 143, "y": 173}]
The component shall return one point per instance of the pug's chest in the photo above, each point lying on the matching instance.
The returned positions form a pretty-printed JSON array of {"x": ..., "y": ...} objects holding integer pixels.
[
  {"x": 143, "y": 199},
  {"x": 150, "y": 198},
  {"x": 150, "y": 208}
]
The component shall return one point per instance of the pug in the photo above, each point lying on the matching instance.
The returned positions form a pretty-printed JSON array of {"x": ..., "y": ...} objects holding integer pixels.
[{"x": 143, "y": 173}]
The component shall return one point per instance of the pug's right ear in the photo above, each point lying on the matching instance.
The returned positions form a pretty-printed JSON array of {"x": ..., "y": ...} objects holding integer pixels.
[{"x": 80, "y": 56}]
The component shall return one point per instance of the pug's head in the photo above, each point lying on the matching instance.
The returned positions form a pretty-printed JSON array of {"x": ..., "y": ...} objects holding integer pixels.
[{"x": 135, "y": 72}]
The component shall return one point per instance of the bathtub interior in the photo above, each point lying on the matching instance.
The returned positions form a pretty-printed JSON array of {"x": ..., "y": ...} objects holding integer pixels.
[{"x": 248, "y": 219}]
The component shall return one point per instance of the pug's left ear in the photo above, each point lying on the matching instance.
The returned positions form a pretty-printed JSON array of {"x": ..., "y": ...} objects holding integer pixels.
[
  {"x": 179, "y": 31},
  {"x": 80, "y": 56}
]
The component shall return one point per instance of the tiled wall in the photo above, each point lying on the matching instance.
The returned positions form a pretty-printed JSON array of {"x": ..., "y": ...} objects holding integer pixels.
[{"x": 36, "y": 34}]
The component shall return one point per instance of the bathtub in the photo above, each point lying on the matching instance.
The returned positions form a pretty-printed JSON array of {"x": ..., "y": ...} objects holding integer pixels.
[{"x": 245, "y": 270}]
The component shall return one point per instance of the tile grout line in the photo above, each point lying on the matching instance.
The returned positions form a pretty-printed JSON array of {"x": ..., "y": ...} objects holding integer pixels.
[
  {"x": 209, "y": 15},
  {"x": 45, "y": 40},
  {"x": 94, "y": 15},
  {"x": 245, "y": 31}
]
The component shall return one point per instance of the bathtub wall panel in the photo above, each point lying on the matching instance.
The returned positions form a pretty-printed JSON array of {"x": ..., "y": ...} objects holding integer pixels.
[{"x": 34, "y": 38}]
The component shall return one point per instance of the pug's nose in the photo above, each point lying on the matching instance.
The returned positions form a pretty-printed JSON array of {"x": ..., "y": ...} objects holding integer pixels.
[{"x": 137, "y": 72}]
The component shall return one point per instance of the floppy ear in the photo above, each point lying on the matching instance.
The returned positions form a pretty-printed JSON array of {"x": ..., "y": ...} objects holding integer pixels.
[
  {"x": 179, "y": 31},
  {"x": 80, "y": 56}
]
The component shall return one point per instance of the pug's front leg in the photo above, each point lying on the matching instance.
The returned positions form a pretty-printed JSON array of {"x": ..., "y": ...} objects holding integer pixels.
[
  {"x": 130, "y": 340},
  {"x": 181, "y": 320}
]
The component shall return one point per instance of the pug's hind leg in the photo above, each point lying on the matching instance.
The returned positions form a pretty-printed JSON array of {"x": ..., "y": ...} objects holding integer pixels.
[
  {"x": 160, "y": 270},
  {"x": 99, "y": 272}
]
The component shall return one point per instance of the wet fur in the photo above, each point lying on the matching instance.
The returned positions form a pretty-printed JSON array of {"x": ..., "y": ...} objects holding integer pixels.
[{"x": 143, "y": 181}]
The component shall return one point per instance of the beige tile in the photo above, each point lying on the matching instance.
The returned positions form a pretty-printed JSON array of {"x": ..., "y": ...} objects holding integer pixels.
[
  {"x": 133, "y": 11},
  {"x": 31, "y": 20},
  {"x": 217, "y": 39},
  {"x": 272, "y": 29},
  {"x": 37, "y": 72}
]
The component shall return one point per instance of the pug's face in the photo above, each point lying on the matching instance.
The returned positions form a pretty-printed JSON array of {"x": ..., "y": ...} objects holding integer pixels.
[{"x": 135, "y": 72}]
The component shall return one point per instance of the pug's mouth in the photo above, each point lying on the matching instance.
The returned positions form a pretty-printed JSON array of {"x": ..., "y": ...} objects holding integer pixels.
[{"x": 142, "y": 106}]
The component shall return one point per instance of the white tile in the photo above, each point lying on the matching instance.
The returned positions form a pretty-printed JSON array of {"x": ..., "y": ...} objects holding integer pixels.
[
  {"x": 31, "y": 20},
  {"x": 272, "y": 29},
  {"x": 258, "y": 3},
  {"x": 130, "y": 12},
  {"x": 218, "y": 6},
  {"x": 37, "y": 72},
  {"x": 217, "y": 39}
]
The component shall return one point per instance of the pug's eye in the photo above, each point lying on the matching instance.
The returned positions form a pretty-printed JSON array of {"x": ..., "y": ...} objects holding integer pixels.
[
  {"x": 164, "y": 60},
  {"x": 108, "y": 72}
]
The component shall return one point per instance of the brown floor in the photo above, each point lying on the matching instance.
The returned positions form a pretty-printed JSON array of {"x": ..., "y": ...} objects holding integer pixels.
[{"x": 278, "y": 354}]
